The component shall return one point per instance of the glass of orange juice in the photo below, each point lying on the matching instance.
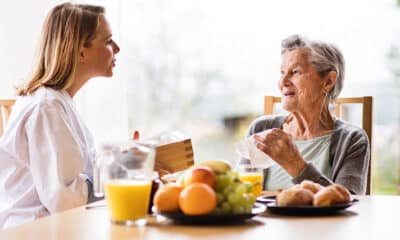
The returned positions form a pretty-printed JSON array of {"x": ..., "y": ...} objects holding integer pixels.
[
  {"x": 127, "y": 175},
  {"x": 254, "y": 176}
]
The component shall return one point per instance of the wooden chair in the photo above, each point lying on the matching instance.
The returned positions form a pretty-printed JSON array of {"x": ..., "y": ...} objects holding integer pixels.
[
  {"x": 5, "y": 110},
  {"x": 366, "y": 103}
]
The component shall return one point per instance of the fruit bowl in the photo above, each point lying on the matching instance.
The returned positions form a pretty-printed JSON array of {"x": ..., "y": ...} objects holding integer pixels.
[{"x": 212, "y": 219}]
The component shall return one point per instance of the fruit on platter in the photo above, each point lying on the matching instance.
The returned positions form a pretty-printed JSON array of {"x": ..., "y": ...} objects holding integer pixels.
[
  {"x": 233, "y": 196},
  {"x": 206, "y": 191},
  {"x": 200, "y": 174},
  {"x": 167, "y": 198},
  {"x": 219, "y": 166},
  {"x": 197, "y": 199}
]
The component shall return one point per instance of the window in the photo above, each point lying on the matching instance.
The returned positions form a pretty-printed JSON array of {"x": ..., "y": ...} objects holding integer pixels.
[{"x": 203, "y": 67}]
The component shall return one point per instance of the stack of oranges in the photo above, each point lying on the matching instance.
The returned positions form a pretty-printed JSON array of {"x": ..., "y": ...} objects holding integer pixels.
[{"x": 194, "y": 194}]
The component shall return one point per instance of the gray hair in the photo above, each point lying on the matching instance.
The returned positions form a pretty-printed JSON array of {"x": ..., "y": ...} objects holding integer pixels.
[{"x": 325, "y": 57}]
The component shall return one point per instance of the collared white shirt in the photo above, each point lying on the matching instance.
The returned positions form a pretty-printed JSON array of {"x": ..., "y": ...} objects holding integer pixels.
[{"x": 45, "y": 158}]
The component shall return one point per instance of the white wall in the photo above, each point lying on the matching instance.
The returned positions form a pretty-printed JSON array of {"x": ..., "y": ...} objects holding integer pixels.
[
  {"x": 20, "y": 24},
  {"x": 101, "y": 103}
]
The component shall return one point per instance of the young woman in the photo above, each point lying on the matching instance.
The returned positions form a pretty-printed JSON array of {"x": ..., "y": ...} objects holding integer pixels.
[{"x": 46, "y": 150}]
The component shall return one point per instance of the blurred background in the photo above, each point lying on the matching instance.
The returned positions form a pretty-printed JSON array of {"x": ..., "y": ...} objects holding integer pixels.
[{"x": 203, "y": 66}]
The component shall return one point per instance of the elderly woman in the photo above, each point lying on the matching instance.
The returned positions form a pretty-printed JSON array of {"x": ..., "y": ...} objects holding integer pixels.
[{"x": 309, "y": 142}]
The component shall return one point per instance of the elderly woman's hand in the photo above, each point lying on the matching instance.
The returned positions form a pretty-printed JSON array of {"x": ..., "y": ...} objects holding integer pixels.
[{"x": 278, "y": 145}]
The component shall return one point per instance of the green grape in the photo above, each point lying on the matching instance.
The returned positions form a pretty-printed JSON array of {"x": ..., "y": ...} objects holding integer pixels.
[
  {"x": 233, "y": 198},
  {"x": 220, "y": 198},
  {"x": 241, "y": 189},
  {"x": 231, "y": 175},
  {"x": 217, "y": 211},
  {"x": 219, "y": 188},
  {"x": 238, "y": 209},
  {"x": 235, "y": 185},
  {"x": 244, "y": 199},
  {"x": 235, "y": 174},
  {"x": 252, "y": 199},
  {"x": 228, "y": 189},
  {"x": 220, "y": 184},
  {"x": 222, "y": 181},
  {"x": 248, "y": 208},
  {"x": 226, "y": 208},
  {"x": 218, "y": 178},
  {"x": 249, "y": 186}
]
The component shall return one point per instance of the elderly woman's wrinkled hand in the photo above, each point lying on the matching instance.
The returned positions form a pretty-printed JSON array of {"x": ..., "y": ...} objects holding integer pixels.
[{"x": 279, "y": 146}]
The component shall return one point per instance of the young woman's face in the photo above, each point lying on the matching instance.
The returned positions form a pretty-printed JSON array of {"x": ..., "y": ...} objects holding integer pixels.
[{"x": 100, "y": 56}]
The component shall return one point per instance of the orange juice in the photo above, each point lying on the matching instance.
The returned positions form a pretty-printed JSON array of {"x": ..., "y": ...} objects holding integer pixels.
[
  {"x": 256, "y": 179},
  {"x": 127, "y": 199}
]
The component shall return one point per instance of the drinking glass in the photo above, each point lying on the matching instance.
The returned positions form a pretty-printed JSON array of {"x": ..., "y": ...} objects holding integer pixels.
[
  {"x": 125, "y": 170},
  {"x": 254, "y": 175},
  {"x": 252, "y": 164}
]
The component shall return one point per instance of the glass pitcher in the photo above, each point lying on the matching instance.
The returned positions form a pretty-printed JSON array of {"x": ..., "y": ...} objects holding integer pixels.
[{"x": 123, "y": 173}]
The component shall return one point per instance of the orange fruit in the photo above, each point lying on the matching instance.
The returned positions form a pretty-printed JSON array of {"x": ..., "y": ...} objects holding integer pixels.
[
  {"x": 166, "y": 199},
  {"x": 200, "y": 174},
  {"x": 197, "y": 199}
]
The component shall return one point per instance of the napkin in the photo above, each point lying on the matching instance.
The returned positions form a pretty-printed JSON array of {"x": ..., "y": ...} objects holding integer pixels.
[{"x": 248, "y": 150}]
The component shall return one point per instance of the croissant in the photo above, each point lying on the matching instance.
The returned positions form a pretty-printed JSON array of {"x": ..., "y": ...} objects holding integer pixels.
[
  {"x": 332, "y": 194},
  {"x": 294, "y": 196},
  {"x": 310, "y": 185},
  {"x": 345, "y": 193}
]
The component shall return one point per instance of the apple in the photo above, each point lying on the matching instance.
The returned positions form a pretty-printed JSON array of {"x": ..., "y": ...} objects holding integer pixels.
[{"x": 200, "y": 174}]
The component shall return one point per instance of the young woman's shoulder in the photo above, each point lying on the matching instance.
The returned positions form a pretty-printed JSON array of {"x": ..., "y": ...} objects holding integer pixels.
[
  {"x": 50, "y": 96},
  {"x": 41, "y": 101},
  {"x": 43, "y": 98}
]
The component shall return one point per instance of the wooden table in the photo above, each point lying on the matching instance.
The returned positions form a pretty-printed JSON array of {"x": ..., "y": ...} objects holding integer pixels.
[{"x": 373, "y": 217}]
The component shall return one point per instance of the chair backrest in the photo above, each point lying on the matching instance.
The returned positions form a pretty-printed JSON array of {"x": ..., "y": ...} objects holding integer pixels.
[
  {"x": 5, "y": 110},
  {"x": 366, "y": 104}
]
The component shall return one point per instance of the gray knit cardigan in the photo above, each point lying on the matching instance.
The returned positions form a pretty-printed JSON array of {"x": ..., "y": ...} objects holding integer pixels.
[{"x": 348, "y": 155}]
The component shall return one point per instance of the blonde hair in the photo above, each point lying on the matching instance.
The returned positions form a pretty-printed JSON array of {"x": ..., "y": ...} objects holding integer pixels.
[{"x": 67, "y": 28}]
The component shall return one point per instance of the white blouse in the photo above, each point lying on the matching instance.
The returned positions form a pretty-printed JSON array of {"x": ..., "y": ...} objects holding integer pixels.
[{"x": 45, "y": 158}]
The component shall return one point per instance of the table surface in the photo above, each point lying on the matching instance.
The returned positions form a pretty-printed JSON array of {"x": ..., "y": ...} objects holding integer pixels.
[{"x": 373, "y": 217}]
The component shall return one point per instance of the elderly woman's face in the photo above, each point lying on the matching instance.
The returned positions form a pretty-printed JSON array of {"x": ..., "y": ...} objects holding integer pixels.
[{"x": 300, "y": 84}]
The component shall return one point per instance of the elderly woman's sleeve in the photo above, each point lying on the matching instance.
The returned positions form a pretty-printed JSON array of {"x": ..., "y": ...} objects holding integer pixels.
[
  {"x": 311, "y": 173},
  {"x": 350, "y": 165}
]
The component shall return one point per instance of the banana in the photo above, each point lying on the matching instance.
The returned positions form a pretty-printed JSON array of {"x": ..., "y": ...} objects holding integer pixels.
[{"x": 219, "y": 166}]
